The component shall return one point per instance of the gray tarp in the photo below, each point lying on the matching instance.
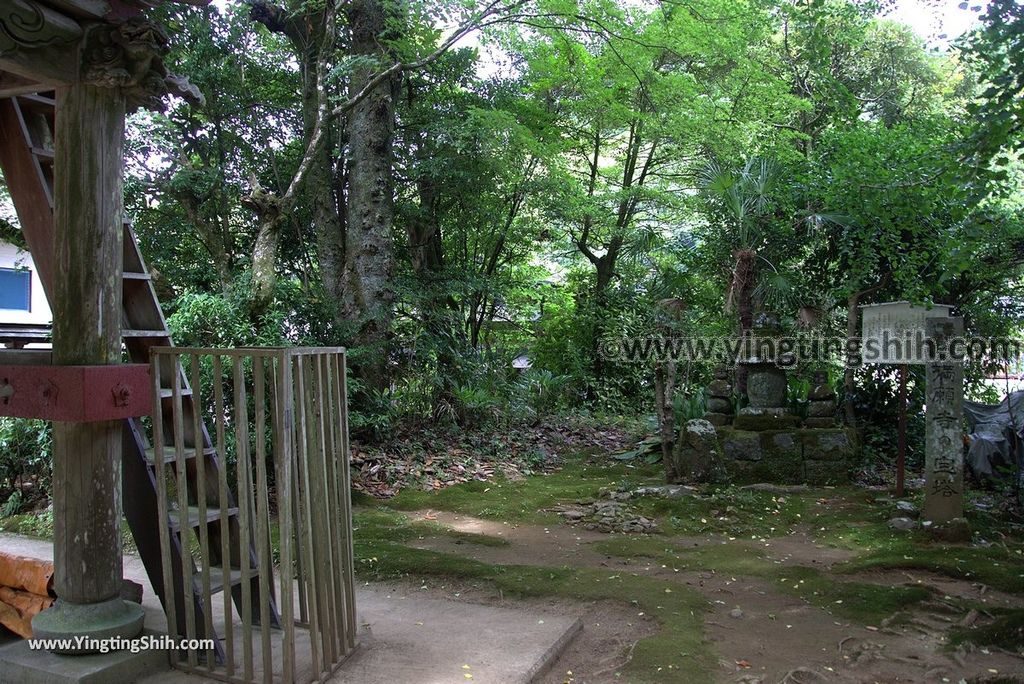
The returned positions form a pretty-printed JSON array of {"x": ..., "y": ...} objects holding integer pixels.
[{"x": 996, "y": 433}]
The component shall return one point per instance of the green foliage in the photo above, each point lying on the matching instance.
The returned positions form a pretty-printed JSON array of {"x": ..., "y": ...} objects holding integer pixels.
[
  {"x": 996, "y": 52},
  {"x": 552, "y": 190},
  {"x": 26, "y": 462}
]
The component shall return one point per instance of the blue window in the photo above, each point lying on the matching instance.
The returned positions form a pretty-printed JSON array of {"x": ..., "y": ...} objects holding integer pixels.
[{"x": 15, "y": 289}]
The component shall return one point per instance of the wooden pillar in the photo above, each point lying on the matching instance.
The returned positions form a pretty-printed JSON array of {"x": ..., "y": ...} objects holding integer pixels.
[{"x": 88, "y": 214}]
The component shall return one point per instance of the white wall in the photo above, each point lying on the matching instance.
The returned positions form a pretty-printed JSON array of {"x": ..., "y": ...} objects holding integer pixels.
[{"x": 12, "y": 257}]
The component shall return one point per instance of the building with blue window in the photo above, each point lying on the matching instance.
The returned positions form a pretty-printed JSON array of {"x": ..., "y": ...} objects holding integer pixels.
[{"x": 25, "y": 315}]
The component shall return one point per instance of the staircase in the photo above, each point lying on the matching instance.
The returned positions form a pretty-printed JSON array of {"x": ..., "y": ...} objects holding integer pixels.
[{"x": 26, "y": 156}]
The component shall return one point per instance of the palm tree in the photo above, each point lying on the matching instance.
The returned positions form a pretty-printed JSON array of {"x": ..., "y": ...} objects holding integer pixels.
[{"x": 745, "y": 195}]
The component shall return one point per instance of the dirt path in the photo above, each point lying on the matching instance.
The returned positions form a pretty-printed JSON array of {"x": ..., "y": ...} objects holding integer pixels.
[{"x": 772, "y": 636}]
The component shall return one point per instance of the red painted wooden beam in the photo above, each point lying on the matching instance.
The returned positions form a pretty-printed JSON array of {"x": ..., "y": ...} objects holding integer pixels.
[{"x": 76, "y": 394}]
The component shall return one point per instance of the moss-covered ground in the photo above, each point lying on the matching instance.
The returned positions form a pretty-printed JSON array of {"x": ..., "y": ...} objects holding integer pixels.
[
  {"x": 739, "y": 532},
  {"x": 744, "y": 521}
]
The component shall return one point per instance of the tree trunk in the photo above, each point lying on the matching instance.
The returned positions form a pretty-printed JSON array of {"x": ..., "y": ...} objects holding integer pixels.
[
  {"x": 324, "y": 189},
  {"x": 264, "y": 253},
  {"x": 369, "y": 260},
  {"x": 743, "y": 290}
]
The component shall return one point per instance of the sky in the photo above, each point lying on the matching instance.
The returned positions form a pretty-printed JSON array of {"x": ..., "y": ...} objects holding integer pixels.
[
  {"x": 929, "y": 18},
  {"x": 933, "y": 19}
]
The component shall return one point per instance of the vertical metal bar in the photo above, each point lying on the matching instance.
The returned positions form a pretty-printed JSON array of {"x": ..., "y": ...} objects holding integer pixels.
[
  {"x": 312, "y": 577},
  {"x": 204, "y": 530},
  {"x": 244, "y": 484},
  {"x": 162, "y": 505},
  {"x": 266, "y": 574},
  {"x": 283, "y": 426},
  {"x": 223, "y": 498},
  {"x": 184, "y": 517}
]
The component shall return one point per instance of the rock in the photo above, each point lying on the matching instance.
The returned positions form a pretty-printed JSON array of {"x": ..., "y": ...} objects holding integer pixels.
[
  {"x": 827, "y": 445},
  {"x": 720, "y": 389},
  {"x": 902, "y": 524},
  {"x": 968, "y": 620},
  {"x": 819, "y": 422},
  {"x": 820, "y": 388},
  {"x": 666, "y": 491},
  {"x": 697, "y": 456},
  {"x": 766, "y": 385},
  {"x": 736, "y": 613},
  {"x": 131, "y": 591},
  {"x": 700, "y": 434},
  {"x": 907, "y": 508},
  {"x": 718, "y": 405},
  {"x": 821, "y": 409},
  {"x": 751, "y": 419},
  {"x": 821, "y": 393},
  {"x": 776, "y": 488},
  {"x": 783, "y": 441},
  {"x": 573, "y": 515},
  {"x": 956, "y": 531},
  {"x": 718, "y": 419},
  {"x": 743, "y": 446}
]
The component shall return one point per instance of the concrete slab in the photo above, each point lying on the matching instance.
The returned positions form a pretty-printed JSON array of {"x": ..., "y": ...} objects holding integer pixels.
[
  {"x": 428, "y": 641},
  {"x": 404, "y": 638},
  {"x": 21, "y": 665}
]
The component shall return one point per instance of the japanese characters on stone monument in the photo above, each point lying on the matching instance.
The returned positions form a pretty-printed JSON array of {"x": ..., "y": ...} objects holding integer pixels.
[{"x": 944, "y": 456}]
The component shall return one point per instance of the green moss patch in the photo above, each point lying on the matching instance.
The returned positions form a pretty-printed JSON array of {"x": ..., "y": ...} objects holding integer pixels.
[
  {"x": 860, "y": 601},
  {"x": 522, "y": 500},
  {"x": 1006, "y": 631},
  {"x": 992, "y": 565},
  {"x": 384, "y": 525}
]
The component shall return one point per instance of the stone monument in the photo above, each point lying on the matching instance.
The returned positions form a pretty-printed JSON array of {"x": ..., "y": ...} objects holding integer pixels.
[
  {"x": 697, "y": 456},
  {"x": 944, "y": 450},
  {"x": 719, "y": 398},
  {"x": 821, "y": 403}
]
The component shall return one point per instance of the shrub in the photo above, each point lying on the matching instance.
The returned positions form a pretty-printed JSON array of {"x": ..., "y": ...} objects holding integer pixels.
[{"x": 26, "y": 463}]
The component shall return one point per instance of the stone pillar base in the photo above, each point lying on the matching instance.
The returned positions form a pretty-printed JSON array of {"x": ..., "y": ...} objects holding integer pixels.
[
  {"x": 104, "y": 620},
  {"x": 955, "y": 531},
  {"x": 21, "y": 665}
]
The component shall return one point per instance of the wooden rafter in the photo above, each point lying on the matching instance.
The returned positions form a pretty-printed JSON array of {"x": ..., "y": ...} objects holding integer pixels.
[{"x": 40, "y": 39}]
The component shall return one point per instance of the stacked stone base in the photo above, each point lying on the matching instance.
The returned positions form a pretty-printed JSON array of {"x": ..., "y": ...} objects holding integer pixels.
[{"x": 818, "y": 456}]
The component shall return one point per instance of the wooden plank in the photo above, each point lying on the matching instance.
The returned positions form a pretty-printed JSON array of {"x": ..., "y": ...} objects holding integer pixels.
[
  {"x": 82, "y": 9},
  {"x": 325, "y": 511},
  {"x": 31, "y": 199},
  {"x": 39, "y": 43},
  {"x": 266, "y": 572},
  {"x": 13, "y": 84},
  {"x": 244, "y": 488},
  {"x": 331, "y": 516},
  {"x": 204, "y": 529},
  {"x": 26, "y": 357},
  {"x": 184, "y": 517},
  {"x": 349, "y": 572},
  {"x": 299, "y": 522},
  {"x": 223, "y": 496},
  {"x": 163, "y": 505},
  {"x": 283, "y": 428},
  {"x": 306, "y": 506}
]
